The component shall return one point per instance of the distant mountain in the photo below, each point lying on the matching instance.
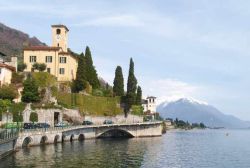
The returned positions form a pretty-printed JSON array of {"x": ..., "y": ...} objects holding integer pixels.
[
  {"x": 12, "y": 41},
  {"x": 195, "y": 112}
]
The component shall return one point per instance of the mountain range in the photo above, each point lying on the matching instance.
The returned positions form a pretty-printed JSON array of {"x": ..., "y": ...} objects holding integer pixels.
[
  {"x": 12, "y": 41},
  {"x": 195, "y": 111}
]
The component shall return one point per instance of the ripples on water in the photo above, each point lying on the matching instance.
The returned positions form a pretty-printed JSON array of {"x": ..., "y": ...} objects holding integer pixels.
[{"x": 176, "y": 149}]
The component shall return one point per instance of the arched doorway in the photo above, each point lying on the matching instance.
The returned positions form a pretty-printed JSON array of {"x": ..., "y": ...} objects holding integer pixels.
[{"x": 26, "y": 141}]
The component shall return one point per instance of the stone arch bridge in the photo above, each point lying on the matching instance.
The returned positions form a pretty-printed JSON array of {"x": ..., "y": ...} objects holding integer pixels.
[{"x": 56, "y": 135}]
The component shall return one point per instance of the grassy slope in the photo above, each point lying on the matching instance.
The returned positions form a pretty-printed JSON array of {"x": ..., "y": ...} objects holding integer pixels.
[{"x": 90, "y": 105}]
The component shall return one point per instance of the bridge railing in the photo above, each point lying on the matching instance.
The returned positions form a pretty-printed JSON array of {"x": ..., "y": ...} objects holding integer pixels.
[
  {"x": 65, "y": 128},
  {"x": 6, "y": 135}
]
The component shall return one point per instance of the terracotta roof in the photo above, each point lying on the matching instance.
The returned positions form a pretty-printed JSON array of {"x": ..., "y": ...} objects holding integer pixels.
[
  {"x": 46, "y": 48},
  {"x": 63, "y": 52},
  {"x": 68, "y": 53},
  {"x": 2, "y": 65},
  {"x": 60, "y": 25}
]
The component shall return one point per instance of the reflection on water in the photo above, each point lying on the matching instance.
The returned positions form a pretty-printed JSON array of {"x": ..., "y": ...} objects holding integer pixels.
[{"x": 176, "y": 149}]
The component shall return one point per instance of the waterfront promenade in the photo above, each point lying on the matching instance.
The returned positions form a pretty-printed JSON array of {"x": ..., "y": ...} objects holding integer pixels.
[{"x": 32, "y": 137}]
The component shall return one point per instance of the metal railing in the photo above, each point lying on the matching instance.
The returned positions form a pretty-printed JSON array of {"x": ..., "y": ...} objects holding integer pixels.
[{"x": 6, "y": 135}]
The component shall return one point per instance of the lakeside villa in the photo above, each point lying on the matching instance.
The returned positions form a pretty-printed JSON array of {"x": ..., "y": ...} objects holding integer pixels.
[
  {"x": 149, "y": 105},
  {"x": 60, "y": 61}
]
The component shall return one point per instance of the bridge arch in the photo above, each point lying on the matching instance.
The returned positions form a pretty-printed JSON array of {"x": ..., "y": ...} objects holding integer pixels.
[
  {"x": 115, "y": 133},
  {"x": 26, "y": 141},
  {"x": 81, "y": 137},
  {"x": 56, "y": 139},
  {"x": 44, "y": 139}
]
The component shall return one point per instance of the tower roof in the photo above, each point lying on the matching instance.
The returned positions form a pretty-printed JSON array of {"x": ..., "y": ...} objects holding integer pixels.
[{"x": 60, "y": 25}]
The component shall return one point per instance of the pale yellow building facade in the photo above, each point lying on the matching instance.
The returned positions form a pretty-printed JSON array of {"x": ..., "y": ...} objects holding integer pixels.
[{"x": 60, "y": 62}]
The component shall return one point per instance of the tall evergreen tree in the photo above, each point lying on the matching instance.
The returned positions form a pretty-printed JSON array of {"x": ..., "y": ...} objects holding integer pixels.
[
  {"x": 30, "y": 90},
  {"x": 131, "y": 87},
  {"x": 81, "y": 77},
  {"x": 91, "y": 73},
  {"x": 138, "y": 96},
  {"x": 118, "y": 88}
]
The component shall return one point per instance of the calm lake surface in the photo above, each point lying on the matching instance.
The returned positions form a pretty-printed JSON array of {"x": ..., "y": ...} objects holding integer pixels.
[{"x": 176, "y": 149}]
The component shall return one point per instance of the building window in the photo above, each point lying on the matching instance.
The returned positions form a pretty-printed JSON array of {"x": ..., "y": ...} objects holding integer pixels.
[
  {"x": 63, "y": 60},
  {"x": 32, "y": 58},
  {"x": 48, "y": 70},
  {"x": 58, "y": 31},
  {"x": 0, "y": 70},
  {"x": 57, "y": 44},
  {"x": 48, "y": 59},
  {"x": 61, "y": 71}
]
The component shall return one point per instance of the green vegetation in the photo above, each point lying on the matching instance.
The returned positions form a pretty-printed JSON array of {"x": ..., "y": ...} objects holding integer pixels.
[
  {"x": 80, "y": 82},
  {"x": 44, "y": 79},
  {"x": 118, "y": 87},
  {"x": 90, "y": 105},
  {"x": 85, "y": 73},
  {"x": 137, "y": 110},
  {"x": 8, "y": 92},
  {"x": 33, "y": 117},
  {"x": 91, "y": 73},
  {"x": 186, "y": 125},
  {"x": 16, "y": 109},
  {"x": 17, "y": 78},
  {"x": 30, "y": 91},
  {"x": 138, "y": 96},
  {"x": 4, "y": 105},
  {"x": 131, "y": 87},
  {"x": 44, "y": 106},
  {"x": 40, "y": 67},
  {"x": 21, "y": 66}
]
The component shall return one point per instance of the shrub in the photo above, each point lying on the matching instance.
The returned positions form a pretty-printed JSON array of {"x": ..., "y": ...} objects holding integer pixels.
[
  {"x": 8, "y": 92},
  {"x": 17, "y": 78},
  {"x": 33, "y": 117},
  {"x": 21, "y": 66}
]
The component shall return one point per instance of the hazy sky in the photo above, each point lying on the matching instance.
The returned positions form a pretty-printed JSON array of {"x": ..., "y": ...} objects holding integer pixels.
[{"x": 194, "y": 48}]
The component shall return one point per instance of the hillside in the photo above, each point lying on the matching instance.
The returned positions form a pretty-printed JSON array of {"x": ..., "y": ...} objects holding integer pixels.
[
  {"x": 12, "y": 41},
  {"x": 196, "y": 112}
]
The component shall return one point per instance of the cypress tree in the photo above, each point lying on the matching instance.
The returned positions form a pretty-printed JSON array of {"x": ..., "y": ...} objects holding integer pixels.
[
  {"x": 30, "y": 90},
  {"x": 118, "y": 88},
  {"x": 80, "y": 81},
  {"x": 131, "y": 87},
  {"x": 138, "y": 96},
  {"x": 91, "y": 73}
]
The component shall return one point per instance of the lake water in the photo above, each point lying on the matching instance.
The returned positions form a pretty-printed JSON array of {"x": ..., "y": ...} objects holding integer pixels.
[{"x": 176, "y": 149}]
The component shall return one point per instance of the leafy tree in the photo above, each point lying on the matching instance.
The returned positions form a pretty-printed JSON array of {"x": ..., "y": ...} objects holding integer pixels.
[
  {"x": 21, "y": 66},
  {"x": 79, "y": 83},
  {"x": 91, "y": 73},
  {"x": 40, "y": 67},
  {"x": 4, "y": 105},
  {"x": 118, "y": 87},
  {"x": 30, "y": 91},
  {"x": 33, "y": 117},
  {"x": 16, "y": 109},
  {"x": 131, "y": 87},
  {"x": 138, "y": 96},
  {"x": 44, "y": 79},
  {"x": 8, "y": 92},
  {"x": 137, "y": 110},
  {"x": 35, "y": 66},
  {"x": 17, "y": 78}
]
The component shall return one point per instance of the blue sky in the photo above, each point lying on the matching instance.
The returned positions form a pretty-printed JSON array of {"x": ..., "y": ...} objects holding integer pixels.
[{"x": 194, "y": 48}]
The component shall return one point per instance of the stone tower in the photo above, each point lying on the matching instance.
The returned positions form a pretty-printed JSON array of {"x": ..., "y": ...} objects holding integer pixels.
[{"x": 60, "y": 37}]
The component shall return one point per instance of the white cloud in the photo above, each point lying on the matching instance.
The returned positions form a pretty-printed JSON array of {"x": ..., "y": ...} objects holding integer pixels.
[
  {"x": 171, "y": 89},
  {"x": 124, "y": 20}
]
